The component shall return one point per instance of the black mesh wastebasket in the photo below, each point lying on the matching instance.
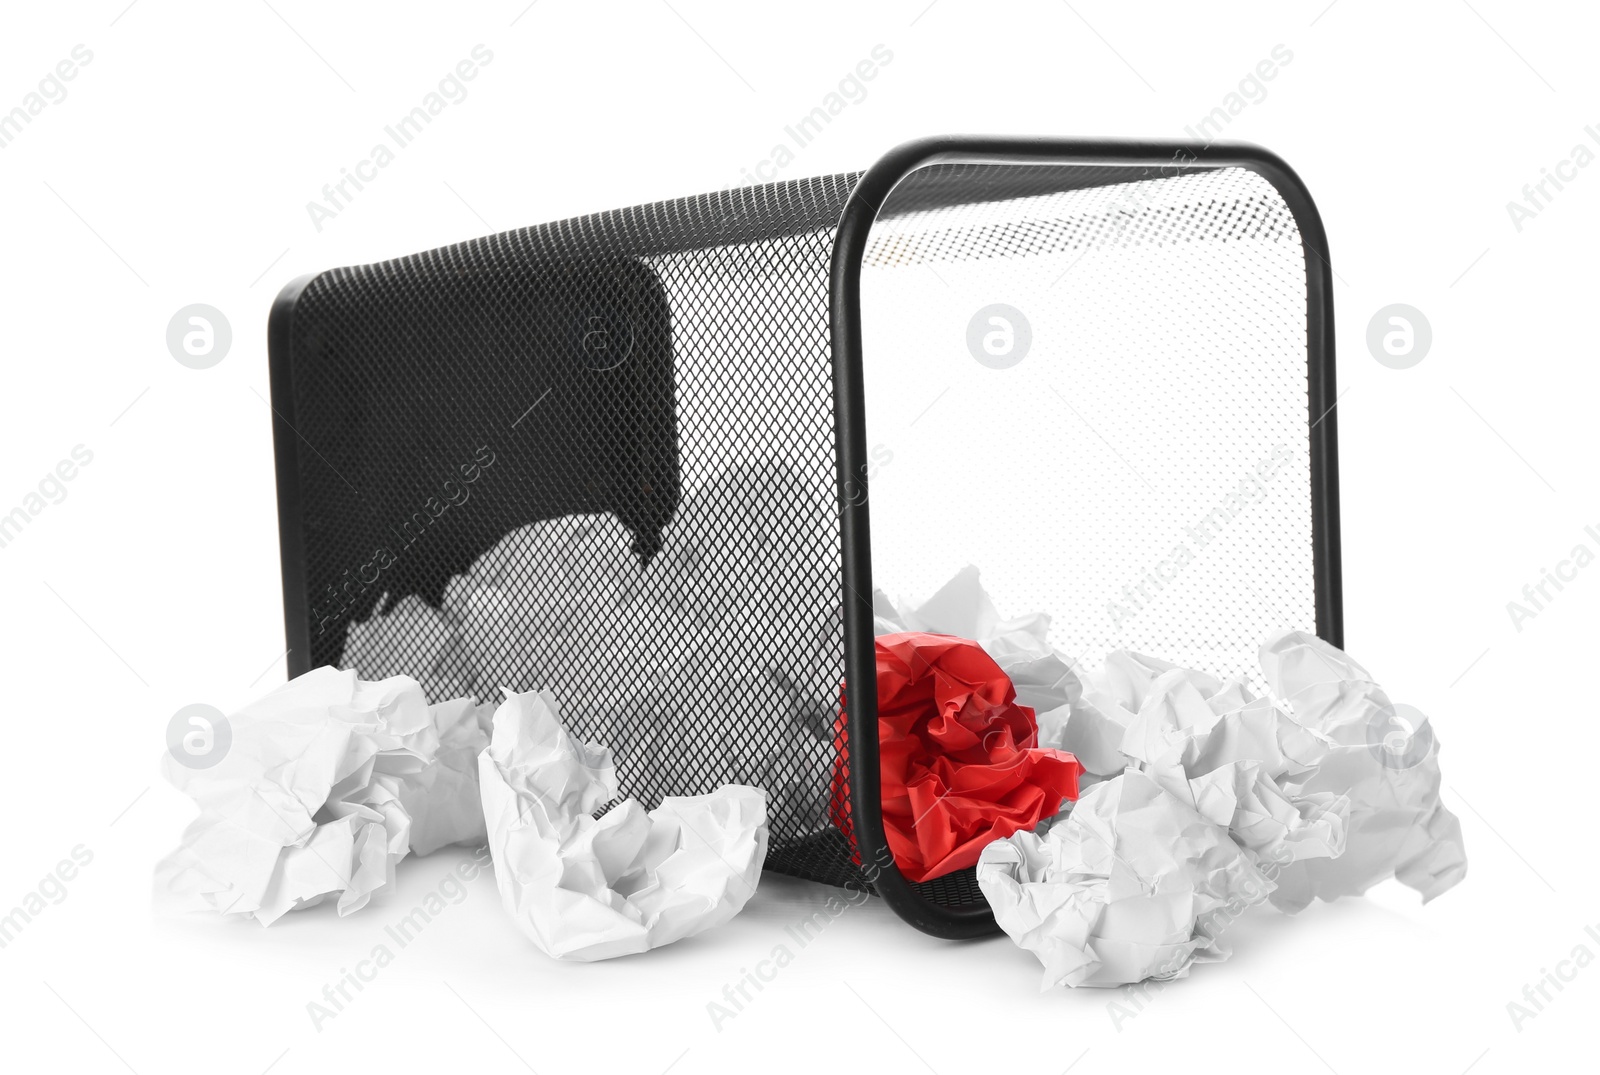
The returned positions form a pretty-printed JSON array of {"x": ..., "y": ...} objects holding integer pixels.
[{"x": 631, "y": 458}]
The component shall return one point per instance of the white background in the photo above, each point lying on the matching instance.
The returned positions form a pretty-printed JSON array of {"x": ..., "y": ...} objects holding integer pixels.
[{"x": 177, "y": 171}]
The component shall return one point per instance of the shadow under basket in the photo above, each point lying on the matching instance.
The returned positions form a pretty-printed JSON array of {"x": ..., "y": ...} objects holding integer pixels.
[{"x": 631, "y": 458}]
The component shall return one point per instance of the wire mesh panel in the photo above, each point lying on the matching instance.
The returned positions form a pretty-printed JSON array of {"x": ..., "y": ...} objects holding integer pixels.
[
  {"x": 594, "y": 457},
  {"x": 1098, "y": 396},
  {"x": 624, "y": 458}
]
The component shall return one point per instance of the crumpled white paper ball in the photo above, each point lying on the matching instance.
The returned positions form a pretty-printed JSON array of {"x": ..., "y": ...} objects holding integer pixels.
[
  {"x": 1398, "y": 825},
  {"x": 328, "y": 782},
  {"x": 588, "y": 888},
  {"x": 1134, "y": 884},
  {"x": 1199, "y": 776}
]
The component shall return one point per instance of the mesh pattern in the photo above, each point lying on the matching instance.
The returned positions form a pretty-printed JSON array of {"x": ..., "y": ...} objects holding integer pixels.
[
  {"x": 1166, "y": 367},
  {"x": 597, "y": 456},
  {"x": 668, "y": 365}
]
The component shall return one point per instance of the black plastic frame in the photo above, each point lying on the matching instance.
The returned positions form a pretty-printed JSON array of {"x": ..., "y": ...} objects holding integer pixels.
[
  {"x": 1142, "y": 160},
  {"x": 291, "y": 530}
]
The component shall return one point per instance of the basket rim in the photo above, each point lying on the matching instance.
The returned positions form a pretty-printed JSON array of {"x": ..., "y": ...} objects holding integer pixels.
[{"x": 1143, "y": 160}]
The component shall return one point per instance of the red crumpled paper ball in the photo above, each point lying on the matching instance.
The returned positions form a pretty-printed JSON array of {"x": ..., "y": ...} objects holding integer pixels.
[{"x": 958, "y": 756}]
